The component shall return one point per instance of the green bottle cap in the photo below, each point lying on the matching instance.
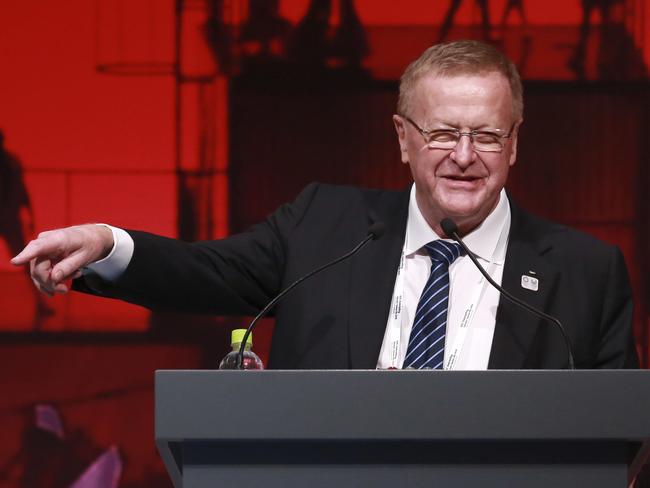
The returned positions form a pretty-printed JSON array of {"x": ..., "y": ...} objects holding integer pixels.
[{"x": 237, "y": 336}]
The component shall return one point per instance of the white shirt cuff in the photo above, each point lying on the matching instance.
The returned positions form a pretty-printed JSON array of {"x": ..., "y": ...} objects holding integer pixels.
[{"x": 112, "y": 266}]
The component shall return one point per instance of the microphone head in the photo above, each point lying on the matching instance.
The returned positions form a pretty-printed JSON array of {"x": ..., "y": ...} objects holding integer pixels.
[
  {"x": 376, "y": 230},
  {"x": 449, "y": 227}
]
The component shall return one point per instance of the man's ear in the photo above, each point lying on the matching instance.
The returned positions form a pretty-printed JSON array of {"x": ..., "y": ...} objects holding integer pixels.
[
  {"x": 401, "y": 137},
  {"x": 513, "y": 143}
]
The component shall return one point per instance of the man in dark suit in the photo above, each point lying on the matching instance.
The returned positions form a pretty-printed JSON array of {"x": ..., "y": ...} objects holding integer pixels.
[{"x": 459, "y": 112}]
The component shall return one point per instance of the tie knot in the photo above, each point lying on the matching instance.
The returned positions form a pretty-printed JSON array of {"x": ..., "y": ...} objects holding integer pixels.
[{"x": 443, "y": 252}]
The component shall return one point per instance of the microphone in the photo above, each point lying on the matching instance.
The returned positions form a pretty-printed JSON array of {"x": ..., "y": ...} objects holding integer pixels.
[
  {"x": 451, "y": 230},
  {"x": 375, "y": 231}
]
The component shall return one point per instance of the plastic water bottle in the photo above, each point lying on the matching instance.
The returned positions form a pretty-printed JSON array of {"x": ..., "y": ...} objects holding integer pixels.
[{"x": 251, "y": 360}]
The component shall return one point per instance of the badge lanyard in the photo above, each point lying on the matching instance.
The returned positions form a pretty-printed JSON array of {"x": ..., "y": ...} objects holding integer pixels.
[{"x": 397, "y": 306}]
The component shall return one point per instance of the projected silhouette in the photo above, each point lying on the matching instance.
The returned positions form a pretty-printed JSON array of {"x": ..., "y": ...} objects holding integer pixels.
[
  {"x": 311, "y": 45},
  {"x": 486, "y": 26},
  {"x": 515, "y": 6},
  {"x": 263, "y": 36},
  {"x": 308, "y": 43},
  {"x": 16, "y": 215},
  {"x": 219, "y": 37},
  {"x": 616, "y": 55}
]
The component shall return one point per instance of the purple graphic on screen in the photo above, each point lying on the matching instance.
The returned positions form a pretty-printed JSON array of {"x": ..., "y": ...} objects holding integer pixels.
[
  {"x": 104, "y": 472},
  {"x": 48, "y": 419}
]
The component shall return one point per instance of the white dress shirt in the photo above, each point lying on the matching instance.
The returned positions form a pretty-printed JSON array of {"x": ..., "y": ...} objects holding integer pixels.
[{"x": 466, "y": 287}]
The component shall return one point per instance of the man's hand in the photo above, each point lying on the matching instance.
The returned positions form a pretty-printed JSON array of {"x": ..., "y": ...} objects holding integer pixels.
[{"x": 58, "y": 255}]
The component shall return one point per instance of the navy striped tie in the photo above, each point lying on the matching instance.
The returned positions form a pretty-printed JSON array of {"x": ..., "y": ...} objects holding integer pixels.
[{"x": 427, "y": 342}]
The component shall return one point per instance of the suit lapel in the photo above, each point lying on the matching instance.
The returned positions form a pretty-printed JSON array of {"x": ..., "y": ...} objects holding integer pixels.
[
  {"x": 373, "y": 278},
  {"x": 515, "y": 328}
]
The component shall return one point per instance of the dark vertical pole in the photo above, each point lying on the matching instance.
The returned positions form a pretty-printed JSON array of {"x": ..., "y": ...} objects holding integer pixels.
[
  {"x": 180, "y": 210},
  {"x": 643, "y": 226}
]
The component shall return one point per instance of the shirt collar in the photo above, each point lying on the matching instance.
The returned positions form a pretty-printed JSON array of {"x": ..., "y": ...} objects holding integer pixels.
[{"x": 483, "y": 240}]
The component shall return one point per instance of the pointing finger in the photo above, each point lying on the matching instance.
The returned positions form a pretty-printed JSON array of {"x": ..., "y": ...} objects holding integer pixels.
[
  {"x": 25, "y": 256},
  {"x": 37, "y": 248}
]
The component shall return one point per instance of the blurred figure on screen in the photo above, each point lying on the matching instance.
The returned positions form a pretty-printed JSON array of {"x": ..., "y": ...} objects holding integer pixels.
[
  {"x": 263, "y": 36},
  {"x": 16, "y": 215},
  {"x": 308, "y": 44},
  {"x": 486, "y": 27},
  {"x": 313, "y": 46},
  {"x": 611, "y": 31},
  {"x": 511, "y": 6}
]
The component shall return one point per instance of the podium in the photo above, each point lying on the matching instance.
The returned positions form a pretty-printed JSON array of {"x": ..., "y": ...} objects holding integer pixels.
[{"x": 383, "y": 429}]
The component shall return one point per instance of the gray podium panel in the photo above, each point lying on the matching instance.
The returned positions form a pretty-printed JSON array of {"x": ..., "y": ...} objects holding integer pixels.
[{"x": 401, "y": 428}]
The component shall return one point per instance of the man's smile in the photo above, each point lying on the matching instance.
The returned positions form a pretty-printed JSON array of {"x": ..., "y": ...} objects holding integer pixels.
[{"x": 465, "y": 182}]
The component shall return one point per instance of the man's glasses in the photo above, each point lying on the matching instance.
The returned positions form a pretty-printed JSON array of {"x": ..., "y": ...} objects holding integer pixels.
[{"x": 482, "y": 140}]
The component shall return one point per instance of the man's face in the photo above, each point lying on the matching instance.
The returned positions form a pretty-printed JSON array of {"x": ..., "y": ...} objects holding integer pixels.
[{"x": 461, "y": 183}]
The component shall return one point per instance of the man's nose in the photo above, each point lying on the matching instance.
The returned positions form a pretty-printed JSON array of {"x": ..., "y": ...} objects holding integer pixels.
[{"x": 464, "y": 154}]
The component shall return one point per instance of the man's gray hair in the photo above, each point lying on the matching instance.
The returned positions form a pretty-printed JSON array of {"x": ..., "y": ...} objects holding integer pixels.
[{"x": 460, "y": 58}]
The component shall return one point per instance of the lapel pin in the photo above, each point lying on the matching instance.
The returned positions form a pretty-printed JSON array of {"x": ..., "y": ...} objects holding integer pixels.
[{"x": 529, "y": 282}]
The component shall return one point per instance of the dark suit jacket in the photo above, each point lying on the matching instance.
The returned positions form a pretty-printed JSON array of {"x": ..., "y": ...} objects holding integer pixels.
[{"x": 337, "y": 319}]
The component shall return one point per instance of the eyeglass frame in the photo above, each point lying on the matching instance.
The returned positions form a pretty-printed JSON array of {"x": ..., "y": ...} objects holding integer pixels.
[{"x": 425, "y": 133}]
